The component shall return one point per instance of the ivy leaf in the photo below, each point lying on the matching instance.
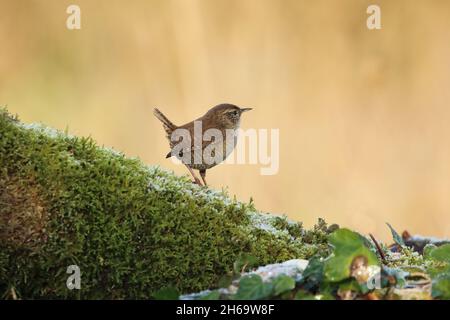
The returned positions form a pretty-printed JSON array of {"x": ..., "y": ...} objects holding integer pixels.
[
  {"x": 428, "y": 249},
  {"x": 350, "y": 285},
  {"x": 312, "y": 277},
  {"x": 397, "y": 238},
  {"x": 441, "y": 253},
  {"x": 304, "y": 295},
  {"x": 349, "y": 249},
  {"x": 441, "y": 286},
  {"x": 252, "y": 287},
  {"x": 441, "y": 275},
  {"x": 283, "y": 283}
]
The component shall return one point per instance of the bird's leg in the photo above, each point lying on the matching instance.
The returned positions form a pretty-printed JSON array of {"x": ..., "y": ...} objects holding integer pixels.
[
  {"x": 196, "y": 180},
  {"x": 203, "y": 175}
]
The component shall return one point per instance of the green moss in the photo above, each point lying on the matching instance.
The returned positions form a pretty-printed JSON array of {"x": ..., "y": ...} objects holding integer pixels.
[{"x": 132, "y": 229}]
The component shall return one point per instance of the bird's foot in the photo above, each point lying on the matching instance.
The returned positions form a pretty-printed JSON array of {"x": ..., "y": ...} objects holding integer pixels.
[{"x": 197, "y": 181}]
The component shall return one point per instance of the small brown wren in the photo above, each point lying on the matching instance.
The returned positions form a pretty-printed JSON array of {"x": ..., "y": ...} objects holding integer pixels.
[{"x": 222, "y": 120}]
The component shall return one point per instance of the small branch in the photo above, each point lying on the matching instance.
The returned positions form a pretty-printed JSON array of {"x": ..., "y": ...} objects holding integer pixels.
[
  {"x": 13, "y": 294},
  {"x": 380, "y": 251}
]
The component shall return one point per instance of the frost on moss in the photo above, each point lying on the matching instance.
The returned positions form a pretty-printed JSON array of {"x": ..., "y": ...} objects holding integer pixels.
[{"x": 132, "y": 229}]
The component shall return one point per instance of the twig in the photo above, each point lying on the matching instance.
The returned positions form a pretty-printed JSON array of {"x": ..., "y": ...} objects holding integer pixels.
[
  {"x": 13, "y": 293},
  {"x": 380, "y": 251}
]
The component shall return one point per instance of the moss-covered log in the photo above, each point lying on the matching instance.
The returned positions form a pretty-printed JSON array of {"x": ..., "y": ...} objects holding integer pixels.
[{"x": 132, "y": 229}]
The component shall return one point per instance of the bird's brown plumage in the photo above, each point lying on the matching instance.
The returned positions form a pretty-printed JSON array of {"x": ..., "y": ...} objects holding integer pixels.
[{"x": 222, "y": 117}]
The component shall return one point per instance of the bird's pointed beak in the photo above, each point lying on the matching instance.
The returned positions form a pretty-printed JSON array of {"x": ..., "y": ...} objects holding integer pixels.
[{"x": 246, "y": 109}]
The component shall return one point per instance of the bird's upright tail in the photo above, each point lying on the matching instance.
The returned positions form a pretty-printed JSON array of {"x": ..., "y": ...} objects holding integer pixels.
[{"x": 168, "y": 125}]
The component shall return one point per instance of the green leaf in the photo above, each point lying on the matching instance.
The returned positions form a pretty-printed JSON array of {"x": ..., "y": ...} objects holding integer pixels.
[
  {"x": 441, "y": 286},
  {"x": 337, "y": 268},
  {"x": 168, "y": 293},
  {"x": 441, "y": 253},
  {"x": 440, "y": 274},
  {"x": 350, "y": 285},
  {"x": 348, "y": 248},
  {"x": 252, "y": 287},
  {"x": 428, "y": 249},
  {"x": 345, "y": 237},
  {"x": 304, "y": 295},
  {"x": 283, "y": 283},
  {"x": 325, "y": 296},
  {"x": 313, "y": 274},
  {"x": 397, "y": 238}
]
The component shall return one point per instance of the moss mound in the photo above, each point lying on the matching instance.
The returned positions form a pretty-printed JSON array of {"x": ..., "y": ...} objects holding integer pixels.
[{"x": 132, "y": 229}]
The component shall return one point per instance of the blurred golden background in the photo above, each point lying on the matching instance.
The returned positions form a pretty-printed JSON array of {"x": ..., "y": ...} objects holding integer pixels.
[{"x": 363, "y": 115}]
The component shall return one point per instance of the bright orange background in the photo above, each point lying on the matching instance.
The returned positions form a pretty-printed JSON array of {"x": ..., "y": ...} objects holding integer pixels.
[{"x": 363, "y": 115}]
